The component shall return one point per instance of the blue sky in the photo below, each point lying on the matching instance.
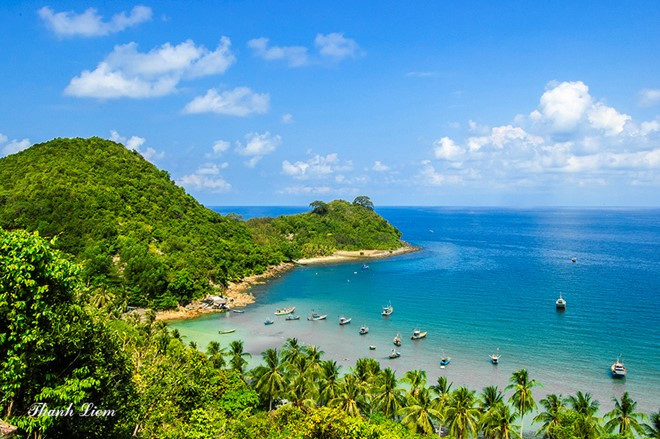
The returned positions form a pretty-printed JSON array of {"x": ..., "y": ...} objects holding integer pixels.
[{"x": 510, "y": 103}]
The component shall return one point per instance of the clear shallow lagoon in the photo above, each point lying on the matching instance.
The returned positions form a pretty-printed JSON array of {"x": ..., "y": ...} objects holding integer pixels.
[{"x": 486, "y": 278}]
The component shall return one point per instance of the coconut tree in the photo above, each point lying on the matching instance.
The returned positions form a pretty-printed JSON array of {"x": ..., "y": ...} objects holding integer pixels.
[
  {"x": 314, "y": 354},
  {"x": 302, "y": 390},
  {"x": 417, "y": 380},
  {"x": 292, "y": 350},
  {"x": 236, "y": 354},
  {"x": 461, "y": 413},
  {"x": 349, "y": 397},
  {"x": 329, "y": 383},
  {"x": 388, "y": 398},
  {"x": 366, "y": 369},
  {"x": 653, "y": 429},
  {"x": 549, "y": 418},
  {"x": 215, "y": 354},
  {"x": 489, "y": 398},
  {"x": 269, "y": 378},
  {"x": 586, "y": 408},
  {"x": 623, "y": 417},
  {"x": 498, "y": 422},
  {"x": 419, "y": 413},
  {"x": 522, "y": 398}
]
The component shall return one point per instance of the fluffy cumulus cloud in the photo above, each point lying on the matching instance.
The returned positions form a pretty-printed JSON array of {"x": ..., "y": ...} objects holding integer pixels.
[
  {"x": 649, "y": 96},
  {"x": 380, "y": 166},
  {"x": 570, "y": 136},
  {"x": 257, "y": 145},
  {"x": 219, "y": 148},
  {"x": 332, "y": 46},
  {"x": 128, "y": 73},
  {"x": 206, "y": 178},
  {"x": 317, "y": 166},
  {"x": 240, "y": 101},
  {"x": 136, "y": 143},
  {"x": 12, "y": 146},
  {"x": 90, "y": 23}
]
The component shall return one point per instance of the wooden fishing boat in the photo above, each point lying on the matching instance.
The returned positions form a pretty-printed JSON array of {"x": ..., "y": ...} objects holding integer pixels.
[
  {"x": 560, "y": 303},
  {"x": 397, "y": 340},
  {"x": 395, "y": 354},
  {"x": 495, "y": 358},
  {"x": 238, "y": 311},
  {"x": 344, "y": 321},
  {"x": 444, "y": 360},
  {"x": 227, "y": 331},
  {"x": 387, "y": 310},
  {"x": 285, "y": 311},
  {"x": 292, "y": 317},
  {"x": 364, "y": 330},
  {"x": 417, "y": 334},
  {"x": 268, "y": 322},
  {"x": 372, "y": 347}
]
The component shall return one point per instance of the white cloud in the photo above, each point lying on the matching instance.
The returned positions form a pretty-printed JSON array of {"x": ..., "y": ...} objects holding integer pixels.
[
  {"x": 336, "y": 46},
  {"x": 219, "y": 147},
  {"x": 304, "y": 190},
  {"x": 607, "y": 118},
  {"x": 287, "y": 118},
  {"x": 317, "y": 166},
  {"x": 13, "y": 146},
  {"x": 241, "y": 101},
  {"x": 257, "y": 146},
  {"x": 295, "y": 56},
  {"x": 380, "y": 167},
  {"x": 563, "y": 105},
  {"x": 204, "y": 180},
  {"x": 431, "y": 177},
  {"x": 126, "y": 72},
  {"x": 649, "y": 96},
  {"x": 136, "y": 143},
  {"x": 428, "y": 74},
  {"x": 446, "y": 149},
  {"x": 90, "y": 23}
]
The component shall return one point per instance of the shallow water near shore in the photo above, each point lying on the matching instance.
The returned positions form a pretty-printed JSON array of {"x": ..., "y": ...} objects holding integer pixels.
[{"x": 486, "y": 278}]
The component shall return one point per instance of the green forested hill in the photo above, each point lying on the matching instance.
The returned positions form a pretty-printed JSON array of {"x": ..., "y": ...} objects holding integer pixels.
[{"x": 142, "y": 237}]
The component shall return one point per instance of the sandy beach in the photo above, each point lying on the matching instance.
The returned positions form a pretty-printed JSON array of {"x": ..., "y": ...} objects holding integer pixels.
[{"x": 238, "y": 294}]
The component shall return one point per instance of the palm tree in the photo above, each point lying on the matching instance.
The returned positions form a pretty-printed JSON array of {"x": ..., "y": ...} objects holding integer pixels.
[
  {"x": 461, "y": 415},
  {"x": 583, "y": 405},
  {"x": 366, "y": 369},
  {"x": 329, "y": 383},
  {"x": 417, "y": 380},
  {"x": 489, "y": 398},
  {"x": 522, "y": 398},
  {"x": 419, "y": 413},
  {"x": 553, "y": 405},
  {"x": 653, "y": 429},
  {"x": 270, "y": 381},
  {"x": 314, "y": 354},
  {"x": 302, "y": 391},
  {"x": 292, "y": 350},
  {"x": 349, "y": 397},
  {"x": 498, "y": 422},
  {"x": 237, "y": 362},
  {"x": 215, "y": 354},
  {"x": 624, "y": 418},
  {"x": 387, "y": 396}
]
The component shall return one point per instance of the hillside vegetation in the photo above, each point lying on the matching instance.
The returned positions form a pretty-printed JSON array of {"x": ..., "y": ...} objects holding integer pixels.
[{"x": 143, "y": 240}]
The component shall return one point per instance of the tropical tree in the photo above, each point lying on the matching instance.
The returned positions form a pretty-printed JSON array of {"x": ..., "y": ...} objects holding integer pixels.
[
  {"x": 498, "y": 422},
  {"x": 388, "y": 398},
  {"x": 522, "y": 398},
  {"x": 366, "y": 369},
  {"x": 349, "y": 397},
  {"x": 236, "y": 354},
  {"x": 653, "y": 429},
  {"x": 302, "y": 390},
  {"x": 623, "y": 417},
  {"x": 489, "y": 398},
  {"x": 329, "y": 383},
  {"x": 269, "y": 379},
  {"x": 292, "y": 350},
  {"x": 549, "y": 418},
  {"x": 314, "y": 354},
  {"x": 417, "y": 380},
  {"x": 319, "y": 207},
  {"x": 215, "y": 354},
  {"x": 588, "y": 425},
  {"x": 364, "y": 201},
  {"x": 419, "y": 412},
  {"x": 461, "y": 414}
]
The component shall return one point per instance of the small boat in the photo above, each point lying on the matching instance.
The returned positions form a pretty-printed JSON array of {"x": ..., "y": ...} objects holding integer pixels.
[
  {"x": 387, "y": 310},
  {"x": 227, "y": 331},
  {"x": 364, "y": 330},
  {"x": 444, "y": 360},
  {"x": 315, "y": 317},
  {"x": 417, "y": 334},
  {"x": 268, "y": 322},
  {"x": 285, "y": 311},
  {"x": 495, "y": 358},
  {"x": 560, "y": 303},
  {"x": 238, "y": 311},
  {"x": 372, "y": 347},
  {"x": 292, "y": 317},
  {"x": 395, "y": 354},
  {"x": 574, "y": 259},
  {"x": 344, "y": 321},
  {"x": 365, "y": 267},
  {"x": 397, "y": 340},
  {"x": 618, "y": 369}
]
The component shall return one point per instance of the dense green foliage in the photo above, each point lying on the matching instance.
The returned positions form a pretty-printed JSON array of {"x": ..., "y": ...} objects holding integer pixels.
[
  {"x": 144, "y": 239},
  {"x": 55, "y": 350}
]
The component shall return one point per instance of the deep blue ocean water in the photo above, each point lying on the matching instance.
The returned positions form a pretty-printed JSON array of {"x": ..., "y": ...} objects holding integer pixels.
[{"x": 486, "y": 278}]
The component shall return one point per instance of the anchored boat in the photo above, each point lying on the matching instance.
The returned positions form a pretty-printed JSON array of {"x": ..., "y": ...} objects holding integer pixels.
[
  {"x": 560, "y": 303},
  {"x": 227, "y": 331},
  {"x": 344, "y": 320},
  {"x": 268, "y": 322},
  {"x": 495, "y": 358},
  {"x": 364, "y": 330},
  {"x": 417, "y": 334},
  {"x": 316, "y": 316},
  {"x": 397, "y": 340},
  {"x": 285, "y": 311},
  {"x": 618, "y": 369},
  {"x": 444, "y": 360},
  {"x": 292, "y": 317},
  {"x": 395, "y": 354},
  {"x": 387, "y": 310}
]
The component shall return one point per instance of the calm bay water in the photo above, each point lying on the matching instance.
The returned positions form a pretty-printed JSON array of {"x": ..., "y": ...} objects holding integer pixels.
[{"x": 486, "y": 278}]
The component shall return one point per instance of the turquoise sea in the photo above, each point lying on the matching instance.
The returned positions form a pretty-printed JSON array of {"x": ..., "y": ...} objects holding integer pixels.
[{"x": 486, "y": 278}]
